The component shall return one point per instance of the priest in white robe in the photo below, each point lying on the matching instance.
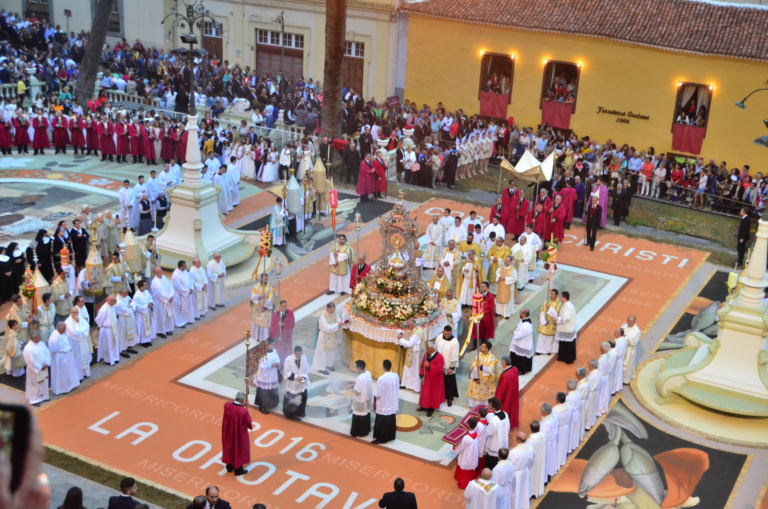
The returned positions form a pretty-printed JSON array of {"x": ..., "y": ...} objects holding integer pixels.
[
  {"x": 221, "y": 181},
  {"x": 340, "y": 264},
  {"x": 621, "y": 352},
  {"x": 217, "y": 275},
  {"x": 78, "y": 337},
  {"x": 563, "y": 413},
  {"x": 38, "y": 359},
  {"x": 549, "y": 427},
  {"x": 296, "y": 375},
  {"x": 450, "y": 261},
  {"x": 126, "y": 322},
  {"x": 483, "y": 493},
  {"x": 183, "y": 303},
  {"x": 593, "y": 403},
  {"x": 64, "y": 374},
  {"x": 145, "y": 326},
  {"x": 522, "y": 254},
  {"x": 162, "y": 310},
  {"x": 200, "y": 280},
  {"x": 582, "y": 386},
  {"x": 434, "y": 244},
  {"x": 633, "y": 333},
  {"x": 538, "y": 442},
  {"x": 327, "y": 341},
  {"x": 445, "y": 223},
  {"x": 410, "y": 340},
  {"x": 109, "y": 337},
  {"x": 522, "y": 459},
  {"x": 504, "y": 476},
  {"x": 266, "y": 380},
  {"x": 495, "y": 227},
  {"x": 362, "y": 403},
  {"x": 457, "y": 233},
  {"x": 573, "y": 398},
  {"x": 604, "y": 366},
  {"x": 506, "y": 277},
  {"x": 387, "y": 402}
]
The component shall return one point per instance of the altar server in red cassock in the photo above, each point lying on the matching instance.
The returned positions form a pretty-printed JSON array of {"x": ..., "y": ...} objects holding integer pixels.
[
  {"x": 235, "y": 445},
  {"x": 106, "y": 130},
  {"x": 569, "y": 199},
  {"x": 148, "y": 137},
  {"x": 508, "y": 199},
  {"x": 556, "y": 220},
  {"x": 92, "y": 136},
  {"x": 21, "y": 128},
  {"x": 359, "y": 271},
  {"x": 518, "y": 216},
  {"x": 281, "y": 328},
  {"x": 181, "y": 147},
  {"x": 6, "y": 140},
  {"x": 508, "y": 391},
  {"x": 76, "y": 136},
  {"x": 380, "y": 166},
  {"x": 466, "y": 464},
  {"x": 137, "y": 145},
  {"x": 40, "y": 125},
  {"x": 168, "y": 147},
  {"x": 60, "y": 133},
  {"x": 487, "y": 324},
  {"x": 432, "y": 393},
  {"x": 123, "y": 140}
]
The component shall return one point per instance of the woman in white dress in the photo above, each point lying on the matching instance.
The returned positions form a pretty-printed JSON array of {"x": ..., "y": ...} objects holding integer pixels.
[
  {"x": 158, "y": 137},
  {"x": 247, "y": 165},
  {"x": 269, "y": 172},
  {"x": 170, "y": 100}
]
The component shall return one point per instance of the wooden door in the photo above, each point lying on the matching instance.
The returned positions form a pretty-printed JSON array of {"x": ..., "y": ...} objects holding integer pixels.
[
  {"x": 269, "y": 61},
  {"x": 352, "y": 74},
  {"x": 214, "y": 46}
]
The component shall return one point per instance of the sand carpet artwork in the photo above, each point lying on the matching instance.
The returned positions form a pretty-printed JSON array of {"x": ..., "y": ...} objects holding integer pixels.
[
  {"x": 150, "y": 420},
  {"x": 628, "y": 462}
]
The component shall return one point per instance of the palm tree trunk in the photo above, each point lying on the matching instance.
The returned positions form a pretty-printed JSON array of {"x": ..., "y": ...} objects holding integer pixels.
[
  {"x": 92, "y": 59},
  {"x": 335, "y": 32}
]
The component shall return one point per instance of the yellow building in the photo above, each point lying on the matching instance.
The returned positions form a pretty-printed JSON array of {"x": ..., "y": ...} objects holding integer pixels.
[{"x": 633, "y": 63}]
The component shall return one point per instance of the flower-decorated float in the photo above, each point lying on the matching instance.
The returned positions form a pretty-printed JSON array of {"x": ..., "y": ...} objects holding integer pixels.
[{"x": 392, "y": 293}]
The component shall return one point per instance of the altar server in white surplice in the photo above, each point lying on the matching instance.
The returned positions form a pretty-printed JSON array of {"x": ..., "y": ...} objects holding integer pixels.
[
  {"x": 126, "y": 322},
  {"x": 296, "y": 375},
  {"x": 484, "y": 493},
  {"x": 200, "y": 280},
  {"x": 467, "y": 456},
  {"x": 410, "y": 339},
  {"x": 64, "y": 374},
  {"x": 362, "y": 405},
  {"x": 604, "y": 366},
  {"x": 217, "y": 274},
  {"x": 162, "y": 296},
  {"x": 327, "y": 340},
  {"x": 621, "y": 352},
  {"x": 183, "y": 304},
  {"x": 434, "y": 245},
  {"x": 614, "y": 359},
  {"x": 109, "y": 345},
  {"x": 593, "y": 405},
  {"x": 633, "y": 333},
  {"x": 582, "y": 386},
  {"x": 386, "y": 403},
  {"x": 38, "y": 358},
  {"x": 504, "y": 475},
  {"x": 522, "y": 459},
  {"x": 145, "y": 326},
  {"x": 538, "y": 442},
  {"x": 78, "y": 336},
  {"x": 573, "y": 398},
  {"x": 549, "y": 427},
  {"x": 563, "y": 413}
]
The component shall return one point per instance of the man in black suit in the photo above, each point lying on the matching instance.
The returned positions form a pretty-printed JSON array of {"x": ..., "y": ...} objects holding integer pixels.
[
  {"x": 128, "y": 488},
  {"x": 594, "y": 215},
  {"x": 398, "y": 499},
  {"x": 743, "y": 236},
  {"x": 353, "y": 163},
  {"x": 618, "y": 204},
  {"x": 211, "y": 500}
]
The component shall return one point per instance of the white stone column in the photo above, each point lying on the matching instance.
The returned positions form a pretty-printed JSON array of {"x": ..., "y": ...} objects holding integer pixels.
[
  {"x": 34, "y": 84},
  {"x": 97, "y": 84}
]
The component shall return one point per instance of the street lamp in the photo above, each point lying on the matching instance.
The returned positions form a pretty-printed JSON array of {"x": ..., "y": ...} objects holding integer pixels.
[
  {"x": 741, "y": 105},
  {"x": 281, "y": 20}
]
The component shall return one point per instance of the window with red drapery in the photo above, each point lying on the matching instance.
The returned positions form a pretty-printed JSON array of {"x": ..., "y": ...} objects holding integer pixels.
[
  {"x": 691, "y": 116},
  {"x": 497, "y": 72}
]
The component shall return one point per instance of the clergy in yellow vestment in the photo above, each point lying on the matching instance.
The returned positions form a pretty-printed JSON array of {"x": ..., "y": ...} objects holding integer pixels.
[
  {"x": 113, "y": 276},
  {"x": 470, "y": 245},
  {"x": 496, "y": 256},
  {"x": 546, "y": 343},
  {"x": 61, "y": 296},
  {"x": 20, "y": 312},
  {"x": 483, "y": 376},
  {"x": 263, "y": 303},
  {"x": 439, "y": 283}
]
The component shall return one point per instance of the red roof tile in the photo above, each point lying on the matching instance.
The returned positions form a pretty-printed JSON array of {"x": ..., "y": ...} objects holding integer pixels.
[{"x": 677, "y": 25}]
